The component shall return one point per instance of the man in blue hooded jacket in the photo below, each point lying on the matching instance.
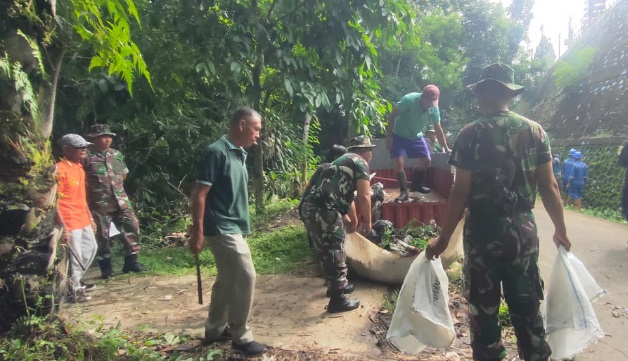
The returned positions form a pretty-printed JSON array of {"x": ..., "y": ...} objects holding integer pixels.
[{"x": 577, "y": 180}]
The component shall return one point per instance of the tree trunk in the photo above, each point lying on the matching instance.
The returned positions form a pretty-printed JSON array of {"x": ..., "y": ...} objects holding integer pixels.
[
  {"x": 306, "y": 133},
  {"x": 28, "y": 242},
  {"x": 258, "y": 151}
]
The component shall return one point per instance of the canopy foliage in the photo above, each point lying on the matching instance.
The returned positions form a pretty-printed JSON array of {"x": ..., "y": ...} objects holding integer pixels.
[{"x": 343, "y": 62}]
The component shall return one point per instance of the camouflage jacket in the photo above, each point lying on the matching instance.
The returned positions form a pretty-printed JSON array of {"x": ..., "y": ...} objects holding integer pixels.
[
  {"x": 335, "y": 187},
  {"x": 105, "y": 172},
  {"x": 502, "y": 152}
]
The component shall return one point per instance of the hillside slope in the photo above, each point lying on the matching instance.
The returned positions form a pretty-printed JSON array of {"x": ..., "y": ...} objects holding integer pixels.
[{"x": 598, "y": 106}]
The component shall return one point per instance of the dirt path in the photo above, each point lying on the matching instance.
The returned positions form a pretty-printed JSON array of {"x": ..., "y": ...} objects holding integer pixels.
[
  {"x": 288, "y": 311},
  {"x": 601, "y": 246}
]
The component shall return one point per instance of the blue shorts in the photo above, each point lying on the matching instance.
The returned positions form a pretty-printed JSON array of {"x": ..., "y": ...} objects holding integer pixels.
[{"x": 411, "y": 148}]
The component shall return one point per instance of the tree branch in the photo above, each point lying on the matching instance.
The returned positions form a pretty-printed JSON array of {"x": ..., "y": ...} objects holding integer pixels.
[
  {"x": 47, "y": 105},
  {"x": 270, "y": 10},
  {"x": 289, "y": 14}
]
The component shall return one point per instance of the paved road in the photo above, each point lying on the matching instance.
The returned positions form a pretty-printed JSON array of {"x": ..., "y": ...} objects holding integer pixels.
[{"x": 602, "y": 247}]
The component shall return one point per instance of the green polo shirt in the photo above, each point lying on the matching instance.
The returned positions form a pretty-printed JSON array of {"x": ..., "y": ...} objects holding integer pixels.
[
  {"x": 412, "y": 118},
  {"x": 223, "y": 168}
]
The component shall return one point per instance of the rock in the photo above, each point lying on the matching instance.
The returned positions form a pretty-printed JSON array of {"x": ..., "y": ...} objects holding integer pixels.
[{"x": 452, "y": 356}]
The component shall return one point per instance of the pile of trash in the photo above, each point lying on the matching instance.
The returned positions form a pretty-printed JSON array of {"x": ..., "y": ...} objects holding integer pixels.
[
  {"x": 377, "y": 199},
  {"x": 406, "y": 241}
]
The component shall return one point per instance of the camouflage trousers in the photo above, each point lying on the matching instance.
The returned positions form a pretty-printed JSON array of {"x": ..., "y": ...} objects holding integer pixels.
[
  {"x": 126, "y": 222},
  {"x": 484, "y": 277},
  {"x": 327, "y": 232}
]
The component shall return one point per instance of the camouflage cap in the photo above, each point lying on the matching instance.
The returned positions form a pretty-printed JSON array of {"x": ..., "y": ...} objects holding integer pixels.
[
  {"x": 97, "y": 130},
  {"x": 361, "y": 141},
  {"x": 500, "y": 74},
  {"x": 74, "y": 140}
]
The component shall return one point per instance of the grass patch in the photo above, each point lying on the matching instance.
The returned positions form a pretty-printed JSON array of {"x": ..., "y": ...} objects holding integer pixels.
[
  {"x": 275, "y": 252},
  {"x": 390, "y": 301},
  {"x": 279, "y": 251},
  {"x": 273, "y": 210},
  {"x": 454, "y": 274},
  {"x": 504, "y": 315},
  {"x": 613, "y": 215},
  {"x": 39, "y": 338}
]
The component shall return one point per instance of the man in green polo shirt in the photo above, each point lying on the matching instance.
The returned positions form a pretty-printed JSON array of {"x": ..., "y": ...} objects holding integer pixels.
[
  {"x": 404, "y": 136},
  {"x": 220, "y": 217}
]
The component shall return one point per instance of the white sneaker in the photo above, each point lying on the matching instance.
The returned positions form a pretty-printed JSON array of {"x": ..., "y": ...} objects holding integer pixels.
[
  {"x": 79, "y": 296},
  {"x": 87, "y": 287}
]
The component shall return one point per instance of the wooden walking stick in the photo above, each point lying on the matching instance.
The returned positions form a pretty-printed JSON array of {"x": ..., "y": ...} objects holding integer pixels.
[{"x": 199, "y": 283}]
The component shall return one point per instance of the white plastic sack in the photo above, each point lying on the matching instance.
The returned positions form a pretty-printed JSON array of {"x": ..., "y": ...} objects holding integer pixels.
[
  {"x": 113, "y": 230},
  {"x": 571, "y": 320},
  {"x": 422, "y": 315}
]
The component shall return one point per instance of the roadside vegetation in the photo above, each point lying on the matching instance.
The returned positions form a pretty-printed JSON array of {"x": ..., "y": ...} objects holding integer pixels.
[
  {"x": 278, "y": 244},
  {"x": 604, "y": 213}
]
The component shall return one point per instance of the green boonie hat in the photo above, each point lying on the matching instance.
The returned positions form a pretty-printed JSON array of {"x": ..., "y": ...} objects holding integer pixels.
[
  {"x": 97, "y": 130},
  {"x": 361, "y": 141},
  {"x": 499, "y": 73}
]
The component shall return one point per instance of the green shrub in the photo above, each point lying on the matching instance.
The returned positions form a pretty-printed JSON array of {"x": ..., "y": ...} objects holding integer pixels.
[{"x": 572, "y": 70}]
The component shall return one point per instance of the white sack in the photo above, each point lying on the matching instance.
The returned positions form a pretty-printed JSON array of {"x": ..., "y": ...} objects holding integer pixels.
[
  {"x": 571, "y": 320},
  {"x": 113, "y": 230},
  {"x": 422, "y": 315}
]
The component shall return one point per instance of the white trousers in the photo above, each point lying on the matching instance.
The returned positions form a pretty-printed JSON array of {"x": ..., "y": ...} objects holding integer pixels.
[{"x": 83, "y": 248}]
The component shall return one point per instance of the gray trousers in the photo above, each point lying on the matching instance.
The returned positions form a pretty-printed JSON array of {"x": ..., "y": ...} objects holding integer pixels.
[
  {"x": 232, "y": 293},
  {"x": 83, "y": 246}
]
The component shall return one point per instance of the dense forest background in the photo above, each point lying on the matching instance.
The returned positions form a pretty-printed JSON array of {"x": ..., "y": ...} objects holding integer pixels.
[{"x": 342, "y": 63}]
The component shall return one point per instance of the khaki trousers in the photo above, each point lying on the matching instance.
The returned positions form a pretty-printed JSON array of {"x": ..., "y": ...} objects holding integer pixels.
[{"x": 232, "y": 293}]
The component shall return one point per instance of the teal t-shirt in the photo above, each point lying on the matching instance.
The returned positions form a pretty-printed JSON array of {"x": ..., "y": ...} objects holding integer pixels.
[
  {"x": 412, "y": 118},
  {"x": 223, "y": 168}
]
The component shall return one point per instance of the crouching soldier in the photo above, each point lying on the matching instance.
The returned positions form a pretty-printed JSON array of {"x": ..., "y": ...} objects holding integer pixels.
[{"x": 324, "y": 208}]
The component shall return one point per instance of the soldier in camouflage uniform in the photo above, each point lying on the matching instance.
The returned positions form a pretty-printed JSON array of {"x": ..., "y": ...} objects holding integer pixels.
[
  {"x": 105, "y": 170},
  {"x": 501, "y": 158},
  {"x": 329, "y": 202}
]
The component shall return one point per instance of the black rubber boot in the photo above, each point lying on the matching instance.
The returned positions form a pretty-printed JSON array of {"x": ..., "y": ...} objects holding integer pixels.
[
  {"x": 106, "y": 271},
  {"x": 340, "y": 303},
  {"x": 403, "y": 187},
  {"x": 348, "y": 289},
  {"x": 131, "y": 264},
  {"x": 417, "y": 181}
]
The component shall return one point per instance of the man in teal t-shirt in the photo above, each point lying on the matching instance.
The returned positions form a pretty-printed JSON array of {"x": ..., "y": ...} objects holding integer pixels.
[{"x": 404, "y": 136}]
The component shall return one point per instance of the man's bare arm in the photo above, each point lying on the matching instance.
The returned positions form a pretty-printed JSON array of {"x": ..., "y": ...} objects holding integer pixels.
[
  {"x": 199, "y": 194},
  {"x": 550, "y": 195},
  {"x": 351, "y": 219},
  {"x": 440, "y": 135},
  {"x": 390, "y": 126},
  {"x": 458, "y": 199},
  {"x": 363, "y": 203}
]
